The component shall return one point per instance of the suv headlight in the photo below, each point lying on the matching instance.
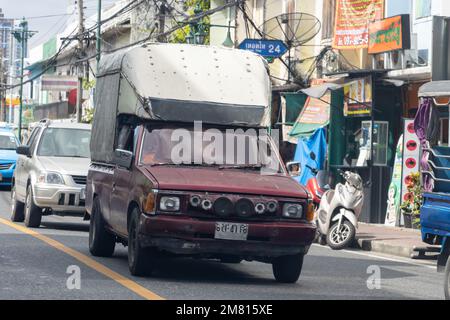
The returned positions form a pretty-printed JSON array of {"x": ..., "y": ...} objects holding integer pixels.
[
  {"x": 51, "y": 178},
  {"x": 293, "y": 210},
  {"x": 169, "y": 203}
]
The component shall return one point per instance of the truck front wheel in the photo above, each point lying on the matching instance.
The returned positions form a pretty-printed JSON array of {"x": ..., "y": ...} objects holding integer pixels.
[
  {"x": 287, "y": 269},
  {"x": 141, "y": 261},
  {"x": 447, "y": 280}
]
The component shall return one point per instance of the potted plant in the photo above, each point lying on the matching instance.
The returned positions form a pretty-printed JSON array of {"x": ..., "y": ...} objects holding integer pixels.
[{"x": 412, "y": 201}]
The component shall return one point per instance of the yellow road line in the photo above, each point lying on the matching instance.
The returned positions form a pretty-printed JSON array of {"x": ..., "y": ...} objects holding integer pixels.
[{"x": 128, "y": 283}]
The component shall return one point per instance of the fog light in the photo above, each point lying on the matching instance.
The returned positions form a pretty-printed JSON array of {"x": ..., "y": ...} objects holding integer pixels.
[
  {"x": 272, "y": 206},
  {"x": 206, "y": 204},
  {"x": 195, "y": 201},
  {"x": 245, "y": 208},
  {"x": 260, "y": 208}
]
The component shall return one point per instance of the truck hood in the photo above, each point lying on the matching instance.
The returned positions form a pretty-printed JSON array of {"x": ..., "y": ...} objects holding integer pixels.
[
  {"x": 63, "y": 165},
  {"x": 226, "y": 181}
]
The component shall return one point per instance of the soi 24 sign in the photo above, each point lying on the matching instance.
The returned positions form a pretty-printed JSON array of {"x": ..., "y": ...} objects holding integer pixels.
[{"x": 389, "y": 34}]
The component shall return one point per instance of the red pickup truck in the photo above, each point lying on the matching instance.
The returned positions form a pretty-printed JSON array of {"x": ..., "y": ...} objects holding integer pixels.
[{"x": 139, "y": 194}]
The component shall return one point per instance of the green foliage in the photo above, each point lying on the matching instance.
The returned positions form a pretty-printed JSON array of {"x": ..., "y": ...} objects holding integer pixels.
[
  {"x": 88, "y": 84},
  {"x": 88, "y": 115},
  {"x": 179, "y": 36},
  {"x": 414, "y": 198}
]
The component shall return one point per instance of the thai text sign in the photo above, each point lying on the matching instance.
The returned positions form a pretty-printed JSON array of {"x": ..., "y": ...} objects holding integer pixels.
[
  {"x": 351, "y": 30},
  {"x": 389, "y": 34}
]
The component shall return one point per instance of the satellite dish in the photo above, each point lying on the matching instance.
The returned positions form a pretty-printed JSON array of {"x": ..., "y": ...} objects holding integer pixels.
[{"x": 295, "y": 29}]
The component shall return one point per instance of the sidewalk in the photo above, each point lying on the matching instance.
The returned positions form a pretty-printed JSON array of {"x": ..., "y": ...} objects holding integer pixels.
[{"x": 390, "y": 240}]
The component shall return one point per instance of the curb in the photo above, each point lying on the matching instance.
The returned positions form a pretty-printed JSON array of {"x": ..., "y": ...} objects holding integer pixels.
[{"x": 382, "y": 247}]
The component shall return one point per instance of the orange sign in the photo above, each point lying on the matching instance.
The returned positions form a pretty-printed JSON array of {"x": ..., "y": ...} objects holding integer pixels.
[
  {"x": 351, "y": 30},
  {"x": 389, "y": 34}
]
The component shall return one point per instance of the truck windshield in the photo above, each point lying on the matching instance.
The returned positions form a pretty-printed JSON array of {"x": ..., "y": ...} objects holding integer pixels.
[
  {"x": 226, "y": 149},
  {"x": 61, "y": 142},
  {"x": 8, "y": 142}
]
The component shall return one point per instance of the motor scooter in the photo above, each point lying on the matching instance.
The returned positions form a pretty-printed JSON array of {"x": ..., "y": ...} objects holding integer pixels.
[{"x": 339, "y": 211}]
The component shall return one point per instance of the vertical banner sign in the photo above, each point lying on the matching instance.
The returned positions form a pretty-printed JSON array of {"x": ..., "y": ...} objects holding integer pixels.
[
  {"x": 411, "y": 156},
  {"x": 351, "y": 30},
  {"x": 358, "y": 98},
  {"x": 395, "y": 188}
]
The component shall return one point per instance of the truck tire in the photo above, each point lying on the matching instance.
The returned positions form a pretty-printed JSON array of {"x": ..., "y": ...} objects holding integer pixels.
[
  {"x": 101, "y": 242},
  {"x": 447, "y": 280},
  {"x": 17, "y": 207},
  {"x": 141, "y": 261},
  {"x": 287, "y": 269},
  {"x": 33, "y": 214},
  {"x": 338, "y": 240}
]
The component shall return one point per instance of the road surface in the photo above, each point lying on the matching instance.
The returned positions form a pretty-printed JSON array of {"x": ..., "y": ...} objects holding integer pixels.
[{"x": 42, "y": 263}]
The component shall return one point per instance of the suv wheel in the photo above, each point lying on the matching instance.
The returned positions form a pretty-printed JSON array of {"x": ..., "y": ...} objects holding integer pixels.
[
  {"x": 101, "y": 242},
  {"x": 141, "y": 261},
  {"x": 17, "y": 207},
  {"x": 33, "y": 214},
  {"x": 287, "y": 269}
]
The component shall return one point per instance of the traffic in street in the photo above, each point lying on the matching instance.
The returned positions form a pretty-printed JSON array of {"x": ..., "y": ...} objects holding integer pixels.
[{"x": 36, "y": 269}]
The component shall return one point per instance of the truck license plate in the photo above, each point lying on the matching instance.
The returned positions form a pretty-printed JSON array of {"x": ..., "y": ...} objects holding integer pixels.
[{"x": 231, "y": 231}]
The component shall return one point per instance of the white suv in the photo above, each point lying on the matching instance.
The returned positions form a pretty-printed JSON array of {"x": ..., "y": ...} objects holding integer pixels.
[{"x": 50, "y": 175}]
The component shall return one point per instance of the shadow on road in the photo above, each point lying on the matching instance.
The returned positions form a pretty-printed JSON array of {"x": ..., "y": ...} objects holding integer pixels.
[{"x": 66, "y": 226}]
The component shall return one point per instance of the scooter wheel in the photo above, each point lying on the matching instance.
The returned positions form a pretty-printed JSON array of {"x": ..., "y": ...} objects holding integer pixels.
[{"x": 342, "y": 238}]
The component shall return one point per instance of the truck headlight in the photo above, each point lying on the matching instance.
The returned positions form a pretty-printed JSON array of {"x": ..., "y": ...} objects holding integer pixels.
[
  {"x": 51, "y": 178},
  {"x": 293, "y": 210},
  {"x": 169, "y": 204}
]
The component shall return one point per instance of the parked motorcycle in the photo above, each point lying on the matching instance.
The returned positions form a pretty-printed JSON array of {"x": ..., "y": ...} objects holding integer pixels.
[{"x": 339, "y": 211}]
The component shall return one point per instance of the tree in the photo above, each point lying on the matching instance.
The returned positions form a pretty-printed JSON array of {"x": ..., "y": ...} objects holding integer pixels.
[{"x": 179, "y": 36}]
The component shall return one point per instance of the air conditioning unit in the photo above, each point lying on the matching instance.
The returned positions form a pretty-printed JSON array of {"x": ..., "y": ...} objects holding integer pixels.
[{"x": 412, "y": 59}]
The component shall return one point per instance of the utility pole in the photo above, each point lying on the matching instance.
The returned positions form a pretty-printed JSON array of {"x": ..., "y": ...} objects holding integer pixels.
[
  {"x": 22, "y": 36},
  {"x": 162, "y": 21},
  {"x": 98, "y": 43},
  {"x": 79, "y": 107}
]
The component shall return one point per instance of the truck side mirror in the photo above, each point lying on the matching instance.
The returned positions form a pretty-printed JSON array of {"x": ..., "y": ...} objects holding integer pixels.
[
  {"x": 294, "y": 168},
  {"x": 123, "y": 158},
  {"x": 24, "y": 150}
]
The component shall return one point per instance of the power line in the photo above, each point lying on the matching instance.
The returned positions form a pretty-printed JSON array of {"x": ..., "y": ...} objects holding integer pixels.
[{"x": 42, "y": 17}]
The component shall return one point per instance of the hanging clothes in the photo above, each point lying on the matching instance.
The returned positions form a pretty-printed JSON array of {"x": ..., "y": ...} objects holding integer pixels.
[
  {"x": 316, "y": 143},
  {"x": 423, "y": 125}
]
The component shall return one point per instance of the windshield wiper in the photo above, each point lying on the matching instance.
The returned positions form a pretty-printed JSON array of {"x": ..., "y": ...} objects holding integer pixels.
[
  {"x": 183, "y": 164},
  {"x": 250, "y": 166}
]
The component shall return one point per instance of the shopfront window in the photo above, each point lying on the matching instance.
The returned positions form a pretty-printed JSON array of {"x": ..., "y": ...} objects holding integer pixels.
[
  {"x": 423, "y": 9},
  {"x": 397, "y": 7}
]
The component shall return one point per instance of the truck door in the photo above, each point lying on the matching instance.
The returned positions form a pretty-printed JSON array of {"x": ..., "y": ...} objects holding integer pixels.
[{"x": 121, "y": 183}]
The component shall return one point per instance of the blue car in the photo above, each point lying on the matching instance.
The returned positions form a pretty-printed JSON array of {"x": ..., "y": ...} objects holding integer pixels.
[{"x": 8, "y": 156}]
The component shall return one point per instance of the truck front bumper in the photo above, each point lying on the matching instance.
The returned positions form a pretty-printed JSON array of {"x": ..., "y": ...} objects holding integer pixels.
[
  {"x": 190, "y": 236},
  {"x": 64, "y": 199}
]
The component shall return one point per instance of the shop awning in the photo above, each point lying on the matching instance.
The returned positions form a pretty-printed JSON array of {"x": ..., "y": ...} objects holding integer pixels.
[{"x": 435, "y": 89}]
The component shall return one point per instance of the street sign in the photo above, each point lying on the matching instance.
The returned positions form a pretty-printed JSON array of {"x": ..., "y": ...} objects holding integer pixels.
[{"x": 265, "y": 48}]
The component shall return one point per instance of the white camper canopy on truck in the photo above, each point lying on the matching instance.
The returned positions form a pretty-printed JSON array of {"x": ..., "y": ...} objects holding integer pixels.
[{"x": 180, "y": 83}]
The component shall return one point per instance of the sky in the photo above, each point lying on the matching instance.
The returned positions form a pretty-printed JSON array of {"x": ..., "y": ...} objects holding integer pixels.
[{"x": 46, "y": 27}]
